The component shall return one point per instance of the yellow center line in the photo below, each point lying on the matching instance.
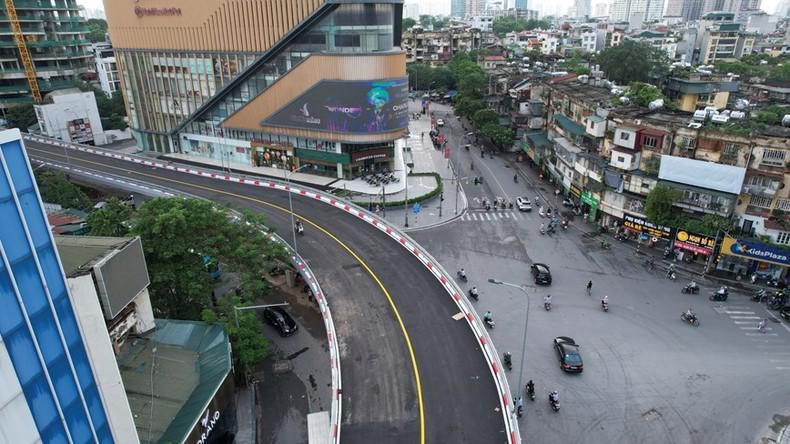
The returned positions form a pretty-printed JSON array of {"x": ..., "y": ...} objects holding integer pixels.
[{"x": 320, "y": 228}]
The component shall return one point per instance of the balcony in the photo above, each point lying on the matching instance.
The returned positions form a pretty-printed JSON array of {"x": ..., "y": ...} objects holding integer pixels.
[{"x": 45, "y": 4}]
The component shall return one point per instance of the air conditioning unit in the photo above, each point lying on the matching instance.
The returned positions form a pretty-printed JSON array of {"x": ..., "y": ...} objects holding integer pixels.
[
  {"x": 700, "y": 114},
  {"x": 720, "y": 118},
  {"x": 737, "y": 115},
  {"x": 695, "y": 125}
]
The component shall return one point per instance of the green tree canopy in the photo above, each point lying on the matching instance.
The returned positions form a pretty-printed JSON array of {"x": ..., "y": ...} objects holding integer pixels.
[
  {"x": 250, "y": 347},
  {"x": 643, "y": 93},
  {"x": 781, "y": 73},
  {"x": 633, "y": 62},
  {"x": 178, "y": 234},
  {"x": 709, "y": 224},
  {"x": 484, "y": 117},
  {"x": 56, "y": 189},
  {"x": 97, "y": 28},
  {"x": 499, "y": 136},
  {"x": 408, "y": 23},
  {"x": 506, "y": 24},
  {"x": 110, "y": 220},
  {"x": 468, "y": 106},
  {"x": 423, "y": 77},
  {"x": 658, "y": 207},
  {"x": 21, "y": 116}
]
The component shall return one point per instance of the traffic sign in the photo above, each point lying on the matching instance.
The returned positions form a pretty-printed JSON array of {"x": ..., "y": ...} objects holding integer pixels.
[{"x": 416, "y": 208}]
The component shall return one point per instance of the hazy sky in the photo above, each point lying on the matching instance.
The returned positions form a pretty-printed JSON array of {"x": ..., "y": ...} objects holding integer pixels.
[{"x": 443, "y": 6}]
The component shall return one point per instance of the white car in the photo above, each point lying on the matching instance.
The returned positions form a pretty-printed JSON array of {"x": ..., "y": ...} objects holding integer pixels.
[
  {"x": 439, "y": 122},
  {"x": 523, "y": 204}
]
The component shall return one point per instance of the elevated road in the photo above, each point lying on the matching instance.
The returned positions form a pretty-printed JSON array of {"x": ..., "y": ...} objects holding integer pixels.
[{"x": 410, "y": 372}]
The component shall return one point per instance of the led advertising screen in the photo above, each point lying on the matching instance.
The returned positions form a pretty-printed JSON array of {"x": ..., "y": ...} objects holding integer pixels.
[{"x": 374, "y": 106}]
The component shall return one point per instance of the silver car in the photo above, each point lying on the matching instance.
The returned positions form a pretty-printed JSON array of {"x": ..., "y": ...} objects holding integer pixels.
[{"x": 523, "y": 204}]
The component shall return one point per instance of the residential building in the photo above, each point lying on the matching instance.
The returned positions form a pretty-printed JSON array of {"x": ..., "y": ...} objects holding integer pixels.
[
  {"x": 762, "y": 23},
  {"x": 412, "y": 11},
  {"x": 767, "y": 93},
  {"x": 699, "y": 92},
  {"x": 636, "y": 11},
  {"x": 684, "y": 10},
  {"x": 55, "y": 36},
  {"x": 522, "y": 4},
  {"x": 72, "y": 116},
  {"x": 581, "y": 8},
  {"x": 106, "y": 68},
  {"x": 659, "y": 40},
  {"x": 438, "y": 47},
  {"x": 196, "y": 85},
  {"x": 484, "y": 23},
  {"x": 474, "y": 8},
  {"x": 601, "y": 10},
  {"x": 458, "y": 8},
  {"x": 492, "y": 62},
  {"x": 720, "y": 43}
]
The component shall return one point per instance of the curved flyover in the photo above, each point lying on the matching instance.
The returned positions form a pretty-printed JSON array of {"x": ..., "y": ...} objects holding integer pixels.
[{"x": 411, "y": 372}]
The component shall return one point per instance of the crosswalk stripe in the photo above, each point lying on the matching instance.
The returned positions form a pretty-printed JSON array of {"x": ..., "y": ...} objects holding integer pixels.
[
  {"x": 739, "y": 312},
  {"x": 514, "y": 216},
  {"x": 762, "y": 334},
  {"x": 744, "y": 317},
  {"x": 507, "y": 215},
  {"x": 744, "y": 322},
  {"x": 783, "y": 368},
  {"x": 779, "y": 360},
  {"x": 474, "y": 216},
  {"x": 488, "y": 216},
  {"x": 755, "y": 328}
]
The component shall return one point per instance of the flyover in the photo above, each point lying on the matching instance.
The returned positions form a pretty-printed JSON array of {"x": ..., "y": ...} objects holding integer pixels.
[{"x": 411, "y": 372}]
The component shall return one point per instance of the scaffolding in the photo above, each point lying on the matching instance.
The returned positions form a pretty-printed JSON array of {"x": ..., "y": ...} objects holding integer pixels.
[{"x": 24, "y": 54}]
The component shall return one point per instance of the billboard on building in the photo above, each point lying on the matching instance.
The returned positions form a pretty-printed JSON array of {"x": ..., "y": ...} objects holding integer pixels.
[
  {"x": 755, "y": 250},
  {"x": 365, "y": 107}
]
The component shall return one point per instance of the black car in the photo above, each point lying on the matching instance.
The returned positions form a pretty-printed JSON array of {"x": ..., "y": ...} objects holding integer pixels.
[
  {"x": 541, "y": 273},
  {"x": 784, "y": 312},
  {"x": 281, "y": 320},
  {"x": 568, "y": 352}
]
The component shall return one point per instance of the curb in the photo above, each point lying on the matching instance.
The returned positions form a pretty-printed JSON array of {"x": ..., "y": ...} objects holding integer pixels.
[{"x": 475, "y": 323}]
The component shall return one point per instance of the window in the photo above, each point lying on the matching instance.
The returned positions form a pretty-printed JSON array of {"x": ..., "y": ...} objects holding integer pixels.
[
  {"x": 774, "y": 157},
  {"x": 649, "y": 141},
  {"x": 624, "y": 136},
  {"x": 621, "y": 159},
  {"x": 592, "y": 125},
  {"x": 347, "y": 40},
  {"x": 783, "y": 238},
  {"x": 731, "y": 150},
  {"x": 688, "y": 142},
  {"x": 760, "y": 201},
  {"x": 783, "y": 204}
]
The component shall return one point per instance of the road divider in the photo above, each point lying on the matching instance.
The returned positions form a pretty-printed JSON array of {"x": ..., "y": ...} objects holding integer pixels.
[{"x": 452, "y": 289}]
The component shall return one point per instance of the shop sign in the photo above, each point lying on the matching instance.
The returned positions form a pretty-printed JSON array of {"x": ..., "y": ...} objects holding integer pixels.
[
  {"x": 642, "y": 226},
  {"x": 589, "y": 199},
  {"x": 208, "y": 422},
  {"x": 576, "y": 191},
  {"x": 140, "y": 11},
  {"x": 755, "y": 250},
  {"x": 696, "y": 243},
  {"x": 370, "y": 154}
]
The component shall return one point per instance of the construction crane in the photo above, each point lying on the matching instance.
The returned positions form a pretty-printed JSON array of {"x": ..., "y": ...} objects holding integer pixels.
[{"x": 24, "y": 54}]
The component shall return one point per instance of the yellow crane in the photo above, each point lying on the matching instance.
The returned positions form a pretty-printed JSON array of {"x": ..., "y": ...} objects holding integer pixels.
[{"x": 24, "y": 54}]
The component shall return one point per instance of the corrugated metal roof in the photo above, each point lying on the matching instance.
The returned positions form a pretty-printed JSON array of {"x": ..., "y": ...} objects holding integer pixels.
[
  {"x": 569, "y": 125},
  {"x": 702, "y": 174}
]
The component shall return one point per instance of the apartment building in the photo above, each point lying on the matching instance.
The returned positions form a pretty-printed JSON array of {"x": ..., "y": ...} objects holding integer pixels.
[{"x": 438, "y": 47}]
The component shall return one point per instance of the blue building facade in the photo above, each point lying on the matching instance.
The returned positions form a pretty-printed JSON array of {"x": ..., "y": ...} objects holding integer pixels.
[
  {"x": 38, "y": 326},
  {"x": 521, "y": 4}
]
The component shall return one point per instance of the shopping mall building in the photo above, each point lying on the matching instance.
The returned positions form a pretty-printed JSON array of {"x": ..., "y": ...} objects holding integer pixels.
[{"x": 277, "y": 83}]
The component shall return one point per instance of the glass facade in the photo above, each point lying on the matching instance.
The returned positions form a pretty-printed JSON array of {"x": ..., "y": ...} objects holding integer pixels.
[{"x": 164, "y": 89}]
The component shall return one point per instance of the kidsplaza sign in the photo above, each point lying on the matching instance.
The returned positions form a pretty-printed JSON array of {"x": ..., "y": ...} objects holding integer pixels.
[{"x": 755, "y": 250}]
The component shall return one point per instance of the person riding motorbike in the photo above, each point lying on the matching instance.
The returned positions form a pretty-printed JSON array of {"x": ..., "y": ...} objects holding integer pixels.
[
  {"x": 547, "y": 299},
  {"x": 530, "y": 387},
  {"x": 462, "y": 273},
  {"x": 299, "y": 227},
  {"x": 473, "y": 292},
  {"x": 692, "y": 286},
  {"x": 542, "y": 228},
  {"x": 515, "y": 178},
  {"x": 671, "y": 270},
  {"x": 488, "y": 317},
  {"x": 761, "y": 326},
  {"x": 690, "y": 315},
  {"x": 722, "y": 291},
  {"x": 554, "y": 396},
  {"x": 508, "y": 358},
  {"x": 605, "y": 300}
]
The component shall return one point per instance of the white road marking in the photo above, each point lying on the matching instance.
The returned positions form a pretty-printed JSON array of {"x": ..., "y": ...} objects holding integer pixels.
[
  {"x": 761, "y": 334},
  {"x": 507, "y": 215},
  {"x": 755, "y": 328},
  {"x": 779, "y": 360},
  {"x": 474, "y": 216},
  {"x": 514, "y": 216},
  {"x": 745, "y": 317},
  {"x": 739, "y": 312},
  {"x": 488, "y": 216},
  {"x": 744, "y": 322},
  {"x": 783, "y": 368}
]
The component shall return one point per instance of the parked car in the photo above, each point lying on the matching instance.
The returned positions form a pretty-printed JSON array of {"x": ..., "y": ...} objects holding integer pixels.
[
  {"x": 568, "y": 352},
  {"x": 440, "y": 122},
  {"x": 541, "y": 273},
  {"x": 523, "y": 204},
  {"x": 278, "y": 318}
]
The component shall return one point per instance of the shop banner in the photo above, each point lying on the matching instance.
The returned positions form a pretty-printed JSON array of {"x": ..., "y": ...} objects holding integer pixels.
[
  {"x": 642, "y": 226},
  {"x": 590, "y": 200},
  {"x": 696, "y": 243},
  {"x": 755, "y": 250},
  {"x": 576, "y": 192}
]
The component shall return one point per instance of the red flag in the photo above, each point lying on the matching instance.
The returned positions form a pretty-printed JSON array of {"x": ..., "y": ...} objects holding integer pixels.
[{"x": 447, "y": 152}]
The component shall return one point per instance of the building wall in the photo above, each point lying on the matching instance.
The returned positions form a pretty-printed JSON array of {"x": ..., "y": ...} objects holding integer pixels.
[
  {"x": 55, "y": 119},
  {"x": 16, "y": 420},
  {"x": 100, "y": 352}
]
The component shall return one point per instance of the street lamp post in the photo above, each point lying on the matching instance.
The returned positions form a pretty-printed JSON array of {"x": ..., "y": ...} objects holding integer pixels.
[
  {"x": 290, "y": 203},
  {"x": 524, "y": 339}
]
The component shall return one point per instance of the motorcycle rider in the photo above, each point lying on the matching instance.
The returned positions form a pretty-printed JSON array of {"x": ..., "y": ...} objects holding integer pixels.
[
  {"x": 671, "y": 270},
  {"x": 761, "y": 326},
  {"x": 542, "y": 228},
  {"x": 690, "y": 315},
  {"x": 298, "y": 226},
  {"x": 530, "y": 387},
  {"x": 462, "y": 273},
  {"x": 508, "y": 359},
  {"x": 554, "y": 396},
  {"x": 473, "y": 292},
  {"x": 692, "y": 286},
  {"x": 605, "y": 301},
  {"x": 722, "y": 291},
  {"x": 488, "y": 317}
]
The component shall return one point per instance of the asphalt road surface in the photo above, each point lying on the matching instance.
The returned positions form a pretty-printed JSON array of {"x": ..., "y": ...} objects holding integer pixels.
[
  {"x": 648, "y": 377},
  {"x": 355, "y": 264}
]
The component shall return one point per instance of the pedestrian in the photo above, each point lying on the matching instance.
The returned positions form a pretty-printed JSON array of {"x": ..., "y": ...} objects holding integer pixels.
[
  {"x": 537, "y": 200},
  {"x": 761, "y": 326},
  {"x": 589, "y": 288},
  {"x": 422, "y": 136}
]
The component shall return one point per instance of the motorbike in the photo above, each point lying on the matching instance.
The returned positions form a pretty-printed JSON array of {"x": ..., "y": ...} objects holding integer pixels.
[
  {"x": 541, "y": 212},
  {"x": 547, "y": 306},
  {"x": 605, "y": 245},
  {"x": 605, "y": 306},
  {"x": 515, "y": 178},
  {"x": 760, "y": 295},
  {"x": 690, "y": 320},
  {"x": 564, "y": 224},
  {"x": 718, "y": 296},
  {"x": 776, "y": 303},
  {"x": 508, "y": 361},
  {"x": 474, "y": 294},
  {"x": 671, "y": 275},
  {"x": 299, "y": 229},
  {"x": 567, "y": 202},
  {"x": 489, "y": 323},
  {"x": 550, "y": 230},
  {"x": 667, "y": 253},
  {"x": 531, "y": 393},
  {"x": 461, "y": 276},
  {"x": 689, "y": 289},
  {"x": 542, "y": 230},
  {"x": 555, "y": 404}
]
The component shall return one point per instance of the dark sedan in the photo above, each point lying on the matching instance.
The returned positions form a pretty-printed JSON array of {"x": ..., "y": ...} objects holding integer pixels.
[
  {"x": 568, "y": 352},
  {"x": 541, "y": 273},
  {"x": 281, "y": 320}
]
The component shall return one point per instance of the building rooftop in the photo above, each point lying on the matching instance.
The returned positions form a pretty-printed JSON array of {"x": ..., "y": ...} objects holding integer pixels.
[
  {"x": 583, "y": 92},
  {"x": 79, "y": 253},
  {"x": 494, "y": 58},
  {"x": 171, "y": 374}
]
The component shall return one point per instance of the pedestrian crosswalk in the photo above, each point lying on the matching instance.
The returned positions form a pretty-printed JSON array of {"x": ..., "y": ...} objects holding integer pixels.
[
  {"x": 491, "y": 216},
  {"x": 767, "y": 339}
]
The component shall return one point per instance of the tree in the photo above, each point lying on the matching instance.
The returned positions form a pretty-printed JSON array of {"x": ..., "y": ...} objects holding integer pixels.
[
  {"x": 506, "y": 24},
  {"x": 423, "y": 77},
  {"x": 55, "y": 188},
  {"x": 178, "y": 234},
  {"x": 484, "y": 117},
  {"x": 97, "y": 30},
  {"x": 468, "y": 106},
  {"x": 658, "y": 207},
  {"x": 110, "y": 220},
  {"x": 709, "y": 224},
  {"x": 781, "y": 73},
  {"x": 633, "y": 62},
  {"x": 250, "y": 347},
  {"x": 426, "y": 21},
  {"x": 21, "y": 116},
  {"x": 643, "y": 93},
  {"x": 499, "y": 136},
  {"x": 408, "y": 23}
]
